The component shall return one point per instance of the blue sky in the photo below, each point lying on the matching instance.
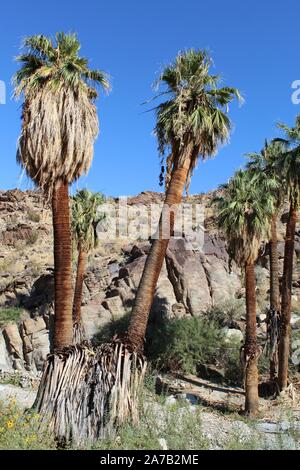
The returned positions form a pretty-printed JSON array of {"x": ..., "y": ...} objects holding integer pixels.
[{"x": 254, "y": 44}]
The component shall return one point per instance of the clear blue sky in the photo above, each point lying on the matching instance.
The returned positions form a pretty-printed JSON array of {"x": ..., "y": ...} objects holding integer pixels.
[{"x": 254, "y": 44}]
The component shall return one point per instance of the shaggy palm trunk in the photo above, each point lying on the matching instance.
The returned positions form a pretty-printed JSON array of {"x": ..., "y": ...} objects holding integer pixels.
[
  {"x": 78, "y": 329},
  {"x": 274, "y": 301},
  {"x": 285, "y": 318},
  {"x": 250, "y": 348},
  {"x": 63, "y": 324},
  {"x": 155, "y": 259},
  {"x": 86, "y": 392}
]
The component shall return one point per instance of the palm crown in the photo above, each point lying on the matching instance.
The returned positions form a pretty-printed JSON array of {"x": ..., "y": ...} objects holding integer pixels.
[
  {"x": 60, "y": 122},
  {"x": 243, "y": 211},
  {"x": 193, "y": 121},
  {"x": 85, "y": 217},
  {"x": 266, "y": 165},
  {"x": 290, "y": 160}
]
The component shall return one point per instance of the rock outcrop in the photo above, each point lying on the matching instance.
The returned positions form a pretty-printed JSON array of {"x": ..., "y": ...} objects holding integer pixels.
[{"x": 195, "y": 277}]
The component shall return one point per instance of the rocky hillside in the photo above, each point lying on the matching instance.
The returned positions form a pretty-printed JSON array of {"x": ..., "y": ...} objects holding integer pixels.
[{"x": 191, "y": 283}]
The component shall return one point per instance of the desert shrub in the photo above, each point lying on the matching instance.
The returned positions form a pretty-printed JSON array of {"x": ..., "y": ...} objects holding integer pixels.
[
  {"x": 280, "y": 441},
  {"x": 8, "y": 314},
  {"x": 263, "y": 364},
  {"x": 32, "y": 238},
  {"x": 15, "y": 379},
  {"x": 33, "y": 216},
  {"x": 179, "y": 427},
  {"x": 181, "y": 344},
  {"x": 230, "y": 360},
  {"x": 227, "y": 312},
  {"x": 116, "y": 327},
  {"x": 21, "y": 431}
]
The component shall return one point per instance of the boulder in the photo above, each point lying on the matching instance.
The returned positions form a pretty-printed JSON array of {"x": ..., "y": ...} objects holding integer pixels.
[
  {"x": 94, "y": 317},
  {"x": 5, "y": 359},
  {"x": 40, "y": 344},
  {"x": 295, "y": 321},
  {"x": 14, "y": 344},
  {"x": 34, "y": 325},
  {"x": 232, "y": 335}
]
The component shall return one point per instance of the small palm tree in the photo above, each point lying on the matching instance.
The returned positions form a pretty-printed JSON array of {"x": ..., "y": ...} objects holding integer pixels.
[
  {"x": 244, "y": 210},
  {"x": 290, "y": 165},
  {"x": 59, "y": 127},
  {"x": 191, "y": 124},
  {"x": 85, "y": 217},
  {"x": 265, "y": 165}
]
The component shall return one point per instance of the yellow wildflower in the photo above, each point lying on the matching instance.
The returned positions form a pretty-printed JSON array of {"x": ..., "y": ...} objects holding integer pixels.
[{"x": 10, "y": 424}]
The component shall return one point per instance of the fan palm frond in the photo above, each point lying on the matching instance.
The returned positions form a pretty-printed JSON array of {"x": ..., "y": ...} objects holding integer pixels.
[
  {"x": 193, "y": 122},
  {"x": 59, "y": 116},
  {"x": 244, "y": 209}
]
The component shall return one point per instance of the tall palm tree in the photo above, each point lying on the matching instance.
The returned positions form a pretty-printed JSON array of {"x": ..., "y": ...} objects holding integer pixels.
[
  {"x": 191, "y": 124},
  {"x": 59, "y": 127},
  {"x": 244, "y": 211},
  {"x": 85, "y": 217},
  {"x": 290, "y": 164},
  {"x": 265, "y": 165}
]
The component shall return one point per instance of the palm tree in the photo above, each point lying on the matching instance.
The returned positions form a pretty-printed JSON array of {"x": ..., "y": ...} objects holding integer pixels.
[
  {"x": 265, "y": 165},
  {"x": 191, "y": 124},
  {"x": 244, "y": 209},
  {"x": 59, "y": 127},
  {"x": 290, "y": 164},
  {"x": 85, "y": 217}
]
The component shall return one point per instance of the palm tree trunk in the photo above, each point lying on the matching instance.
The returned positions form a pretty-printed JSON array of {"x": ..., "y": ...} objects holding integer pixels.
[
  {"x": 81, "y": 265},
  {"x": 274, "y": 274},
  {"x": 85, "y": 393},
  {"x": 274, "y": 296},
  {"x": 250, "y": 350},
  {"x": 63, "y": 325},
  {"x": 155, "y": 259},
  {"x": 79, "y": 334},
  {"x": 285, "y": 318}
]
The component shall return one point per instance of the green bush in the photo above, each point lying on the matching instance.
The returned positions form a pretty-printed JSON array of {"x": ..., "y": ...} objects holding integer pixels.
[
  {"x": 263, "y": 364},
  {"x": 8, "y": 314},
  {"x": 230, "y": 359},
  {"x": 33, "y": 216},
  {"x": 116, "y": 327},
  {"x": 229, "y": 311},
  {"x": 15, "y": 379},
  {"x": 21, "y": 431},
  {"x": 32, "y": 238},
  {"x": 180, "y": 428},
  {"x": 180, "y": 345}
]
